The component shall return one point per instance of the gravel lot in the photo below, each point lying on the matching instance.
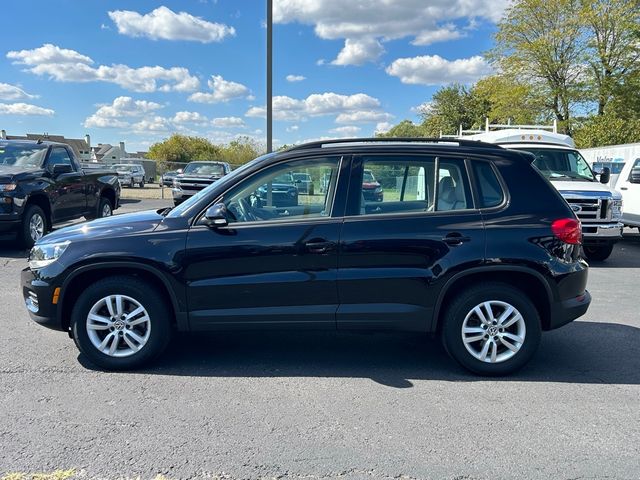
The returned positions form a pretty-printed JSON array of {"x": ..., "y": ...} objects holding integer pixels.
[{"x": 306, "y": 406}]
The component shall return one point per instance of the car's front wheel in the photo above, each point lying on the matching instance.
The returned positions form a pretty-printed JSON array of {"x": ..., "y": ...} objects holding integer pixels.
[
  {"x": 120, "y": 323},
  {"x": 492, "y": 329}
]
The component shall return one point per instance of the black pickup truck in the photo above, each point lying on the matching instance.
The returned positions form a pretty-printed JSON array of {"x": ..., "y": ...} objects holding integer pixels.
[{"x": 42, "y": 183}]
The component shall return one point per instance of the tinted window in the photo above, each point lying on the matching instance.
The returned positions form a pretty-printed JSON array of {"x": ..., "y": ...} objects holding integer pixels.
[
  {"x": 25, "y": 156},
  {"x": 272, "y": 195},
  {"x": 59, "y": 156},
  {"x": 489, "y": 188},
  {"x": 410, "y": 184}
]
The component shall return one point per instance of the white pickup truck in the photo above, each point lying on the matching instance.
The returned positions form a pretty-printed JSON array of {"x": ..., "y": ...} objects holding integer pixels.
[{"x": 598, "y": 207}]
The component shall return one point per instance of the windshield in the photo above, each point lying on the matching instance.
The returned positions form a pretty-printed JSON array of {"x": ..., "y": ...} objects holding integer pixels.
[
  {"x": 123, "y": 168},
  {"x": 302, "y": 176},
  {"x": 22, "y": 156},
  {"x": 284, "y": 178},
  {"x": 561, "y": 164},
  {"x": 368, "y": 177},
  {"x": 204, "y": 169}
]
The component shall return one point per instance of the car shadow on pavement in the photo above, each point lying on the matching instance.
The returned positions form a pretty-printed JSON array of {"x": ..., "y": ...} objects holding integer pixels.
[
  {"x": 9, "y": 247},
  {"x": 582, "y": 352}
]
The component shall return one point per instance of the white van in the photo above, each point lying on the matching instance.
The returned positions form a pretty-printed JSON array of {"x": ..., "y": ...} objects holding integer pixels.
[
  {"x": 598, "y": 206},
  {"x": 629, "y": 186}
]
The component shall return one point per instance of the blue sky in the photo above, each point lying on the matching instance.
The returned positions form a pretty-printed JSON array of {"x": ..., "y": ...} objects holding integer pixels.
[{"x": 139, "y": 71}]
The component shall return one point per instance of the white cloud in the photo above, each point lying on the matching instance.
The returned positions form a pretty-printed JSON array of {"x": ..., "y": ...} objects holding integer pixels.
[
  {"x": 11, "y": 92},
  {"x": 293, "y": 128},
  {"x": 114, "y": 115},
  {"x": 364, "y": 116},
  {"x": 443, "y": 34},
  {"x": 156, "y": 124},
  {"x": 346, "y": 131},
  {"x": 362, "y": 22},
  {"x": 222, "y": 91},
  {"x": 163, "y": 23},
  {"x": 424, "y": 107},
  {"x": 65, "y": 65},
  {"x": 24, "y": 109},
  {"x": 383, "y": 127},
  {"x": 228, "y": 122},
  {"x": 435, "y": 70},
  {"x": 195, "y": 118},
  {"x": 359, "y": 51},
  {"x": 295, "y": 78},
  {"x": 318, "y": 104}
]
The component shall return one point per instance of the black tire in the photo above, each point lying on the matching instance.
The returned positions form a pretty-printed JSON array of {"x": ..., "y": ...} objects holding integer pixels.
[
  {"x": 597, "y": 253},
  {"x": 132, "y": 183},
  {"x": 25, "y": 237},
  {"x": 159, "y": 321},
  {"x": 102, "y": 205},
  {"x": 141, "y": 183},
  {"x": 311, "y": 190},
  {"x": 465, "y": 302}
]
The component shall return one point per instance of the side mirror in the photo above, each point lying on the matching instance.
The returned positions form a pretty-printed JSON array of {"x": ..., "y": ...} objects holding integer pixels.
[
  {"x": 605, "y": 175},
  {"x": 635, "y": 175},
  {"x": 216, "y": 216},
  {"x": 61, "y": 168},
  {"x": 179, "y": 171}
]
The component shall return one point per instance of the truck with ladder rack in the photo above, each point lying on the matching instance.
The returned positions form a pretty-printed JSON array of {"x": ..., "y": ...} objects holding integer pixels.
[{"x": 597, "y": 206}]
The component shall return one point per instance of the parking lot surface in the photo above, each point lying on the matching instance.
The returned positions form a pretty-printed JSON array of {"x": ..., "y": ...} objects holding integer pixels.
[{"x": 321, "y": 406}]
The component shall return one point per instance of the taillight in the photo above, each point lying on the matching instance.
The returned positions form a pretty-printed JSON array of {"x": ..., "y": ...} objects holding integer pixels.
[{"x": 568, "y": 230}]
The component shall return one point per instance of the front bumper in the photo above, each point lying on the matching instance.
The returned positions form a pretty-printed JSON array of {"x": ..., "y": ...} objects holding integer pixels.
[
  {"x": 38, "y": 297},
  {"x": 180, "y": 195},
  {"x": 599, "y": 232}
]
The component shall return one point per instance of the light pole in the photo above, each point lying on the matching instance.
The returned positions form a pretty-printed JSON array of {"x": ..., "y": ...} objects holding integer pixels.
[{"x": 269, "y": 76}]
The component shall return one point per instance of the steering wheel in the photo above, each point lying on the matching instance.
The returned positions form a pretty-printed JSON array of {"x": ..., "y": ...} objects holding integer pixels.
[{"x": 242, "y": 211}]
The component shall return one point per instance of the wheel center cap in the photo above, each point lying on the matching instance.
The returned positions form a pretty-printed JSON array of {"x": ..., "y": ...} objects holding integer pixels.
[
  {"x": 493, "y": 331},
  {"x": 118, "y": 325}
]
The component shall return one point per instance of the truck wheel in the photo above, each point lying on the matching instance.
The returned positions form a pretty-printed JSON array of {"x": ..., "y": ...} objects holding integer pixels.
[
  {"x": 132, "y": 183},
  {"x": 491, "y": 329},
  {"x": 142, "y": 183},
  {"x": 597, "y": 253},
  {"x": 104, "y": 208},
  {"x": 34, "y": 226},
  {"x": 120, "y": 323}
]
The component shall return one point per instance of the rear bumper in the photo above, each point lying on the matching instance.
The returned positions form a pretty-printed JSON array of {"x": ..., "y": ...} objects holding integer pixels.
[
  {"x": 568, "y": 310},
  {"x": 593, "y": 233}
]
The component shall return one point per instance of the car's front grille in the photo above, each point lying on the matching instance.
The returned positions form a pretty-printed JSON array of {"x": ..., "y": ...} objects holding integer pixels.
[{"x": 591, "y": 209}]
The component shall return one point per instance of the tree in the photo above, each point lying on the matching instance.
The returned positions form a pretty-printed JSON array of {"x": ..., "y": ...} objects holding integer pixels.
[
  {"x": 613, "y": 48},
  {"x": 540, "y": 43},
  {"x": 406, "y": 129},
  {"x": 182, "y": 148},
  {"x": 606, "y": 129},
  {"x": 241, "y": 151},
  {"x": 509, "y": 100}
]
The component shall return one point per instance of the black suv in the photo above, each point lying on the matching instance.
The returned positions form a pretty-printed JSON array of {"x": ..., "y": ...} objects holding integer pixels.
[{"x": 455, "y": 247}]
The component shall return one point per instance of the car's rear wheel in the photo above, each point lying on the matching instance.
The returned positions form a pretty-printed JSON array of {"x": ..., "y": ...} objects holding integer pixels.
[
  {"x": 34, "y": 226},
  {"x": 120, "y": 323},
  {"x": 597, "y": 253},
  {"x": 105, "y": 209},
  {"x": 491, "y": 329}
]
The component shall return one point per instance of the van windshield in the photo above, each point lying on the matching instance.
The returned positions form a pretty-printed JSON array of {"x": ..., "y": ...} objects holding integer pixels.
[{"x": 561, "y": 164}]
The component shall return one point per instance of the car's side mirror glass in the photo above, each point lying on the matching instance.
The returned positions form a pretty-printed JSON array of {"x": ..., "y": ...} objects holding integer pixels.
[
  {"x": 61, "y": 168},
  {"x": 605, "y": 175},
  {"x": 216, "y": 216},
  {"x": 635, "y": 175}
]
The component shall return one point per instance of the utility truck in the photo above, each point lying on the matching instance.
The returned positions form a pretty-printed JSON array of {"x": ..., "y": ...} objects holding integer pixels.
[{"x": 597, "y": 206}]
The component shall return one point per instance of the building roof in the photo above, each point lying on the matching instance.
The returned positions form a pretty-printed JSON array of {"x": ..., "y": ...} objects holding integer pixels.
[{"x": 76, "y": 144}]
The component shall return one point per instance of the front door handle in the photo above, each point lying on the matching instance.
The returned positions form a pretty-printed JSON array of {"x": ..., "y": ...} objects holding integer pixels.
[
  {"x": 624, "y": 188},
  {"x": 319, "y": 246},
  {"x": 455, "y": 238}
]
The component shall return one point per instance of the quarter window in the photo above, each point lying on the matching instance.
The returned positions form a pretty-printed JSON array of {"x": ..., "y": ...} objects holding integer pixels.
[
  {"x": 278, "y": 193},
  {"x": 489, "y": 189},
  {"x": 410, "y": 184},
  {"x": 59, "y": 156}
]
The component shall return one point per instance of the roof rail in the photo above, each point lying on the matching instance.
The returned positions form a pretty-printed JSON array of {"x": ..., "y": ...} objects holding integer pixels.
[{"x": 462, "y": 143}]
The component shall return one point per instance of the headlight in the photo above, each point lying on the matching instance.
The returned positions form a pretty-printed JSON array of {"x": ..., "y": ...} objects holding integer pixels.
[
  {"x": 7, "y": 187},
  {"x": 616, "y": 209},
  {"x": 176, "y": 184},
  {"x": 378, "y": 190},
  {"x": 45, "y": 254}
]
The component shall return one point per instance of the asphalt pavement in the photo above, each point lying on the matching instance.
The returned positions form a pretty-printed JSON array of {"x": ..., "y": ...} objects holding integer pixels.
[{"x": 325, "y": 406}]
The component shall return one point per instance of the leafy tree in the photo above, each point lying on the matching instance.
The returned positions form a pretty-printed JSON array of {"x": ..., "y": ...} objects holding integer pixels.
[
  {"x": 182, "y": 148},
  {"x": 241, "y": 151},
  {"x": 606, "y": 129},
  {"x": 540, "y": 43},
  {"x": 613, "y": 48},
  {"x": 406, "y": 129}
]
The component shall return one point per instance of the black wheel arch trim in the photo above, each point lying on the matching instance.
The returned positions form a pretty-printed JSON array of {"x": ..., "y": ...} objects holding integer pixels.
[
  {"x": 485, "y": 269},
  {"x": 182, "y": 319}
]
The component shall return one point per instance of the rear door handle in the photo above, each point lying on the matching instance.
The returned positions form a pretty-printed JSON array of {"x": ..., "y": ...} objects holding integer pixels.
[
  {"x": 455, "y": 238},
  {"x": 624, "y": 188},
  {"x": 319, "y": 246}
]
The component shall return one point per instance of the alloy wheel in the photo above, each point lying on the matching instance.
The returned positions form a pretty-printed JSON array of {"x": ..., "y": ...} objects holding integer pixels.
[
  {"x": 36, "y": 227},
  {"x": 493, "y": 331}
]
